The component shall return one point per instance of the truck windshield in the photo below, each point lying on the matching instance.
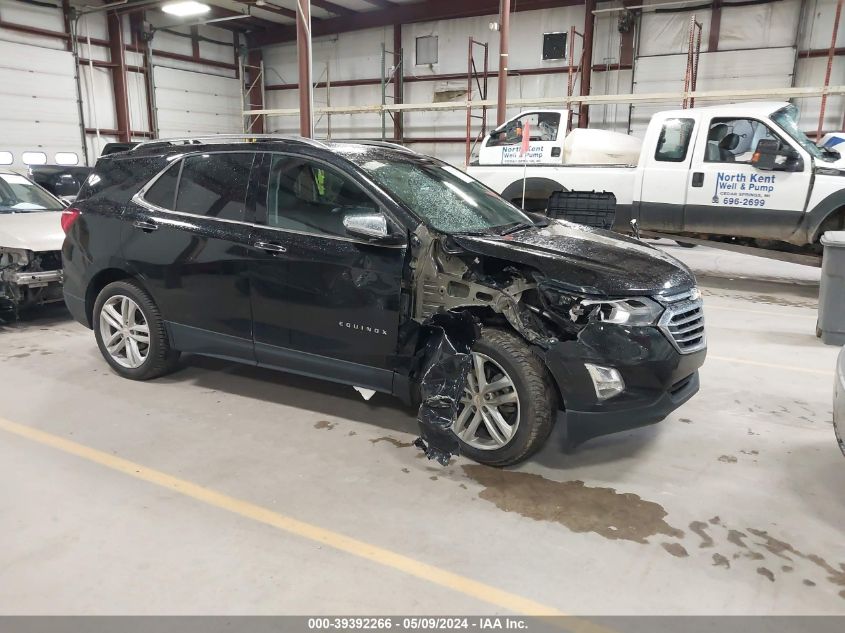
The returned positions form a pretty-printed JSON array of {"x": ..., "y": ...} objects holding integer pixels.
[
  {"x": 442, "y": 196},
  {"x": 19, "y": 195},
  {"x": 787, "y": 119}
]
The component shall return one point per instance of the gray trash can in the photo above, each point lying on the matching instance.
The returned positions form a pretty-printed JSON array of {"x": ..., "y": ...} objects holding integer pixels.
[{"x": 832, "y": 292}]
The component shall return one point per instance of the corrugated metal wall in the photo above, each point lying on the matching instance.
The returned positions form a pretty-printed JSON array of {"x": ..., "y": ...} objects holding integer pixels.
[{"x": 757, "y": 48}]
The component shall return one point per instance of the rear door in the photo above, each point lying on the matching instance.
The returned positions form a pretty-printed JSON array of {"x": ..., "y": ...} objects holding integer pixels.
[
  {"x": 186, "y": 237},
  {"x": 729, "y": 196},
  {"x": 665, "y": 176},
  {"x": 324, "y": 303}
]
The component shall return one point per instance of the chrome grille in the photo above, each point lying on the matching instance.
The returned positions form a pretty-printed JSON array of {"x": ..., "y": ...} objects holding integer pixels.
[{"x": 683, "y": 321}]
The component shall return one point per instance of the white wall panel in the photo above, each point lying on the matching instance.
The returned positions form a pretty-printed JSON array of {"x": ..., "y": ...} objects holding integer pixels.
[
  {"x": 196, "y": 103},
  {"x": 38, "y": 101},
  {"x": 722, "y": 70}
]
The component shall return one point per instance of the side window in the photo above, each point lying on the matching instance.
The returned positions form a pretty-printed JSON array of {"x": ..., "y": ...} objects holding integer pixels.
[
  {"x": 734, "y": 140},
  {"x": 163, "y": 192},
  {"x": 542, "y": 126},
  {"x": 673, "y": 143},
  {"x": 214, "y": 185},
  {"x": 303, "y": 195}
]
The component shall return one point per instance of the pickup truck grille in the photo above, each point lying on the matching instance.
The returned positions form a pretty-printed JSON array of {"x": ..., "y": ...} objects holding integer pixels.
[{"x": 683, "y": 322}]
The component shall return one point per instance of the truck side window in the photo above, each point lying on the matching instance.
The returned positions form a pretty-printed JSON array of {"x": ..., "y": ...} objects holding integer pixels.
[
  {"x": 734, "y": 140},
  {"x": 673, "y": 143},
  {"x": 543, "y": 126}
]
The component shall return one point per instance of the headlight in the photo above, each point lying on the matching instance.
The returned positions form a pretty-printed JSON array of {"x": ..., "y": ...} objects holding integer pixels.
[
  {"x": 13, "y": 256},
  {"x": 635, "y": 311}
]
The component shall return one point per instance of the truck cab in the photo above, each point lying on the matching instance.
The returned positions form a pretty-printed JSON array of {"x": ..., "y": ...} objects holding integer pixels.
[
  {"x": 547, "y": 128},
  {"x": 743, "y": 172}
]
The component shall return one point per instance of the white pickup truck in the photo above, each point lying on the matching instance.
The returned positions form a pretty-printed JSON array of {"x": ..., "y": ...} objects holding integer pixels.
[{"x": 742, "y": 172}]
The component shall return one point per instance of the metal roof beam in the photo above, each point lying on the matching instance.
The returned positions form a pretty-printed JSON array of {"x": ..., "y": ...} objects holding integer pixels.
[{"x": 404, "y": 14}]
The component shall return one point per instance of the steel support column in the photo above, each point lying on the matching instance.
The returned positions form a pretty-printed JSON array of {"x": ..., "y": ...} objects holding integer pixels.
[
  {"x": 303, "y": 54},
  {"x": 504, "y": 43},
  {"x": 587, "y": 60},
  {"x": 398, "y": 82},
  {"x": 118, "y": 76},
  {"x": 715, "y": 26}
]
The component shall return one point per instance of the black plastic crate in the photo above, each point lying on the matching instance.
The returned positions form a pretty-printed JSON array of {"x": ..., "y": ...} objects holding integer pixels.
[{"x": 590, "y": 208}]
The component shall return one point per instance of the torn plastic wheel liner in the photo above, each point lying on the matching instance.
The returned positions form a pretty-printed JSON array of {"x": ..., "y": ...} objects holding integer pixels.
[{"x": 447, "y": 359}]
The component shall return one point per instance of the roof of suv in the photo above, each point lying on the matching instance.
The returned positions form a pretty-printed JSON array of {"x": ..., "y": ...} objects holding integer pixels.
[{"x": 161, "y": 147}]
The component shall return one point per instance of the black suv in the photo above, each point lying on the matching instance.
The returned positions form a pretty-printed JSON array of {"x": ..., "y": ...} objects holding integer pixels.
[{"x": 370, "y": 265}]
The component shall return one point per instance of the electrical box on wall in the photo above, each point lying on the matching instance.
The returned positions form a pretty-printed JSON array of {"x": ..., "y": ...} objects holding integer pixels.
[{"x": 554, "y": 46}]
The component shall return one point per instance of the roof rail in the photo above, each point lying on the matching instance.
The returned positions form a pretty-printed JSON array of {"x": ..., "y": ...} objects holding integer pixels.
[
  {"x": 223, "y": 138},
  {"x": 385, "y": 144}
]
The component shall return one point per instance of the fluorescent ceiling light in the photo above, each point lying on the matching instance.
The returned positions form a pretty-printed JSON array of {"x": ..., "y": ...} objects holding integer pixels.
[{"x": 184, "y": 8}]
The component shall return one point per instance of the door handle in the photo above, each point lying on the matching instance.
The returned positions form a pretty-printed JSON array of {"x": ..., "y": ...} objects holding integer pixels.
[
  {"x": 270, "y": 247},
  {"x": 698, "y": 179},
  {"x": 147, "y": 227}
]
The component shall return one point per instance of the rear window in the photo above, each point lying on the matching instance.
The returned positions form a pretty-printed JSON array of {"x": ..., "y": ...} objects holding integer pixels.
[
  {"x": 673, "y": 143},
  {"x": 214, "y": 185},
  {"x": 163, "y": 192}
]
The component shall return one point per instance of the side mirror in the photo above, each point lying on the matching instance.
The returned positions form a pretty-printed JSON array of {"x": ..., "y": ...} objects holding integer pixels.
[
  {"x": 769, "y": 151},
  {"x": 371, "y": 225}
]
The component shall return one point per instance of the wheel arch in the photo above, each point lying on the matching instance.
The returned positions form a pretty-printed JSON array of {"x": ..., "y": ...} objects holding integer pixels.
[
  {"x": 97, "y": 283},
  {"x": 535, "y": 188}
]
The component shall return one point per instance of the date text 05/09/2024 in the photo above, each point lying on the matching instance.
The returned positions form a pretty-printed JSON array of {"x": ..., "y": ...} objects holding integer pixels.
[{"x": 417, "y": 623}]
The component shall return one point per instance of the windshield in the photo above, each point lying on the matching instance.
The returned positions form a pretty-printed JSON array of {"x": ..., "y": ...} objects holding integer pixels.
[
  {"x": 787, "y": 119},
  {"x": 19, "y": 195},
  {"x": 442, "y": 196}
]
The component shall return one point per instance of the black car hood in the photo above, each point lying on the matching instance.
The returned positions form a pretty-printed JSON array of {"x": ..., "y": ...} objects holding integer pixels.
[{"x": 591, "y": 261}]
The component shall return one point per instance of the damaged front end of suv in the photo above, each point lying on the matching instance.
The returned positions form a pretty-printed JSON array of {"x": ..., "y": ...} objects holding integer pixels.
[{"x": 617, "y": 325}]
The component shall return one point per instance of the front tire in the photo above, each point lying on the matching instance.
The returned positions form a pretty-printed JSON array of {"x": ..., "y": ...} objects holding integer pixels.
[
  {"x": 509, "y": 402},
  {"x": 130, "y": 332}
]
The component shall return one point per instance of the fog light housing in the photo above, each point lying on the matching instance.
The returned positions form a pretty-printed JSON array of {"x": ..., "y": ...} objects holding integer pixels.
[{"x": 607, "y": 381}]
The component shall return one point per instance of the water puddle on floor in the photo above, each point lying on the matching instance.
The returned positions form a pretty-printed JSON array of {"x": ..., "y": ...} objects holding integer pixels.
[{"x": 579, "y": 507}]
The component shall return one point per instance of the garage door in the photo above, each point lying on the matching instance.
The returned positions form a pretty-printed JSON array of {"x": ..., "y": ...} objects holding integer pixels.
[
  {"x": 192, "y": 103},
  {"x": 39, "y": 105}
]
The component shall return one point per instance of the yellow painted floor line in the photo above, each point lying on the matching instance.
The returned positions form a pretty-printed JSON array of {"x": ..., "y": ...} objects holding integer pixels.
[
  {"x": 387, "y": 558},
  {"x": 757, "y": 363}
]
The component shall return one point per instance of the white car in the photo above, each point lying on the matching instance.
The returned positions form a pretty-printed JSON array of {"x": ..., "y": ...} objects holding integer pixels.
[
  {"x": 31, "y": 239},
  {"x": 839, "y": 401}
]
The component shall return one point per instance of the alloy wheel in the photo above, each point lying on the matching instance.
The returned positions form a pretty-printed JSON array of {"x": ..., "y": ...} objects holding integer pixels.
[
  {"x": 125, "y": 331},
  {"x": 489, "y": 413}
]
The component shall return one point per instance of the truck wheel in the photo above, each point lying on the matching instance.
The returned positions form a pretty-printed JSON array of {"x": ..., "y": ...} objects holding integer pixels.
[
  {"x": 509, "y": 403},
  {"x": 130, "y": 332}
]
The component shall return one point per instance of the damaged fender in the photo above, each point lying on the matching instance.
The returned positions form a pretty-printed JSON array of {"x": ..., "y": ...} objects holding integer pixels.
[{"x": 448, "y": 359}]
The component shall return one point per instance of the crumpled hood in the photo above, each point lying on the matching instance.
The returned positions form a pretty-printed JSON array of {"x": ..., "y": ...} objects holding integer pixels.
[
  {"x": 587, "y": 260},
  {"x": 38, "y": 231}
]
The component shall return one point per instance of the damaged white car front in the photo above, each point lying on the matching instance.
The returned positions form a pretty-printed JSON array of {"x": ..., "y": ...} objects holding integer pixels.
[{"x": 30, "y": 244}]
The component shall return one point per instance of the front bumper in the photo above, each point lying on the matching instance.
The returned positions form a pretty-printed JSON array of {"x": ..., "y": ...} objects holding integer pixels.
[
  {"x": 839, "y": 402},
  {"x": 658, "y": 379},
  {"x": 36, "y": 279}
]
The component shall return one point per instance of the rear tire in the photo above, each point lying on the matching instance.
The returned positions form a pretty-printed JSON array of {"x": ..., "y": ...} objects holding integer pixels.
[
  {"x": 505, "y": 359},
  {"x": 130, "y": 332}
]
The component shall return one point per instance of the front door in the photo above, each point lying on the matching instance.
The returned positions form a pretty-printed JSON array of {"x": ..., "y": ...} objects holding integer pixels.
[
  {"x": 187, "y": 240},
  {"x": 665, "y": 173},
  {"x": 324, "y": 303},
  {"x": 727, "y": 195}
]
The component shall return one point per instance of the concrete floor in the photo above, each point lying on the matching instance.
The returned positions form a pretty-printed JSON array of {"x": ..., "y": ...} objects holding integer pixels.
[{"x": 733, "y": 505}]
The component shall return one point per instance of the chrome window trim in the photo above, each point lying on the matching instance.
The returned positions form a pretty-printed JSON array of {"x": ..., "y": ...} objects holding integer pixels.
[{"x": 138, "y": 199}]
